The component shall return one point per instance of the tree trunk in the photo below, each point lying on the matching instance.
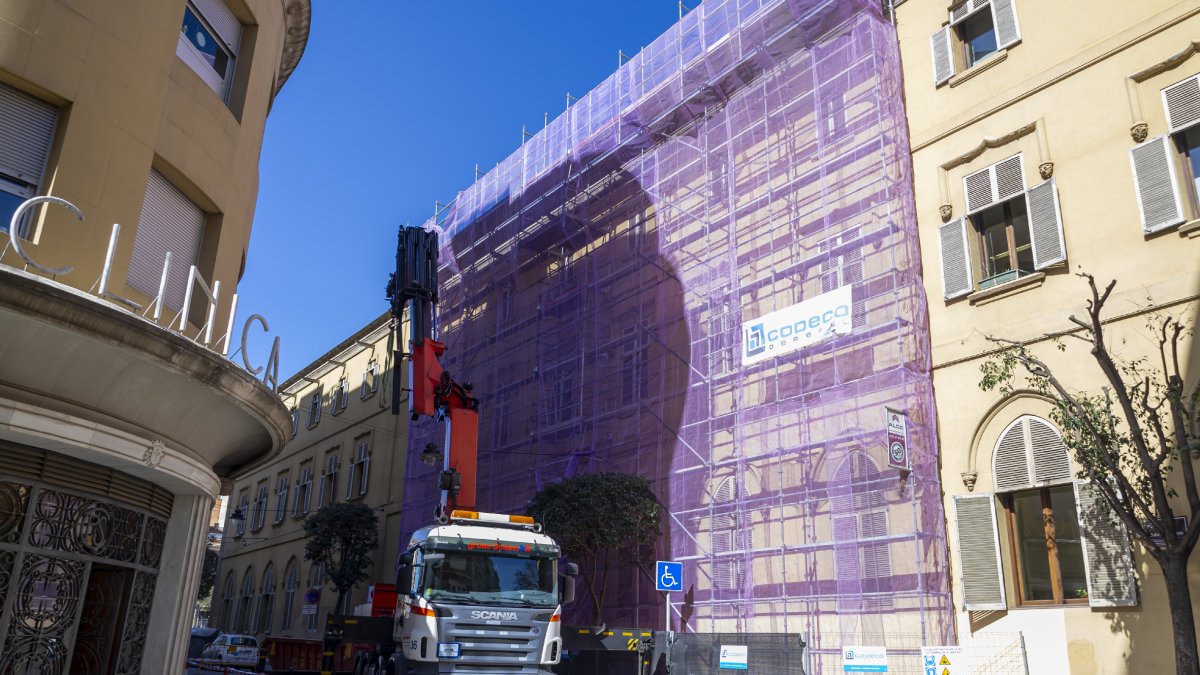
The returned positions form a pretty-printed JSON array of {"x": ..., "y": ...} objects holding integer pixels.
[{"x": 1183, "y": 623}]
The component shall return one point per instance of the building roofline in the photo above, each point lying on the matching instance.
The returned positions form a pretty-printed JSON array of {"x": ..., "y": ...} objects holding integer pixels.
[{"x": 343, "y": 346}]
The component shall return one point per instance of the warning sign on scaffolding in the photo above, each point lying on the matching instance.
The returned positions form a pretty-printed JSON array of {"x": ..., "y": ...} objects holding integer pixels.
[
  {"x": 897, "y": 439},
  {"x": 944, "y": 660}
]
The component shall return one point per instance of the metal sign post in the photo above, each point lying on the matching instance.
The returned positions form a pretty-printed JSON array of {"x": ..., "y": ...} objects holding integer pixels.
[{"x": 668, "y": 577}]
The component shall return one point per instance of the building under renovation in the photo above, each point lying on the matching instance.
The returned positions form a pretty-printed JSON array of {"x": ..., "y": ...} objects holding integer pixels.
[{"x": 705, "y": 272}]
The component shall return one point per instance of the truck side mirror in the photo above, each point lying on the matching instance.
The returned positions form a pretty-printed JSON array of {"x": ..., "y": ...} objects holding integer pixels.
[
  {"x": 568, "y": 590},
  {"x": 404, "y": 575},
  {"x": 571, "y": 570}
]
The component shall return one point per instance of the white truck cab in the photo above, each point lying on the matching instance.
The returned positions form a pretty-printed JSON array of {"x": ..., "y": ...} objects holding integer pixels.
[{"x": 480, "y": 593}]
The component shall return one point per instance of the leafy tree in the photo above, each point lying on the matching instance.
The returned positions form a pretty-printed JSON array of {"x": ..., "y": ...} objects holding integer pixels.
[
  {"x": 1137, "y": 441},
  {"x": 341, "y": 537},
  {"x": 208, "y": 573},
  {"x": 598, "y": 519}
]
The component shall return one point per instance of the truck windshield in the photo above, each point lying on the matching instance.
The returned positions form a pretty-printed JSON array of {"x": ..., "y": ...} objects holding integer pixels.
[{"x": 486, "y": 579}]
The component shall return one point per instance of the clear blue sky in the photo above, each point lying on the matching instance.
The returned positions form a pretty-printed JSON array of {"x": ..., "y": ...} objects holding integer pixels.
[{"x": 393, "y": 104}]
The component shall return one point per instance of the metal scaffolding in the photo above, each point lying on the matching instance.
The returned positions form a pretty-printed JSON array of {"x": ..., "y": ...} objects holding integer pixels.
[{"x": 600, "y": 287}]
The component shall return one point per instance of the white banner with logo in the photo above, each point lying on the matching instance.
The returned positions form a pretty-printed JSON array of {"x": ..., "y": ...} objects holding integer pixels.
[{"x": 796, "y": 327}]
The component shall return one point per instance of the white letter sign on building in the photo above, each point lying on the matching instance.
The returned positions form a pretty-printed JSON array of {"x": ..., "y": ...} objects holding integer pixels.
[{"x": 798, "y": 326}]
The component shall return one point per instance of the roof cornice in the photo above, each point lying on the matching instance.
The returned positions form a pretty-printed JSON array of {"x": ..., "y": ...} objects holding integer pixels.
[{"x": 297, "y": 15}]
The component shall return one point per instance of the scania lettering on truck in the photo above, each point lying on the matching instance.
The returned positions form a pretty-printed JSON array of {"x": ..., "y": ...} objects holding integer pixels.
[{"x": 480, "y": 593}]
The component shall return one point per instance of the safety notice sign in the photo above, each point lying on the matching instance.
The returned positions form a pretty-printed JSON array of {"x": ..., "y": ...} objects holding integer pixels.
[{"x": 944, "y": 660}]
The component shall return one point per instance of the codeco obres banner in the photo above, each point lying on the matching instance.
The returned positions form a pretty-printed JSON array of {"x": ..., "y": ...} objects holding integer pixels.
[{"x": 798, "y": 326}]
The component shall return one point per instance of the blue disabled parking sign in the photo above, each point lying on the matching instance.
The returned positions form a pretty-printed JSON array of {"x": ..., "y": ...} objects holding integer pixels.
[{"x": 668, "y": 576}]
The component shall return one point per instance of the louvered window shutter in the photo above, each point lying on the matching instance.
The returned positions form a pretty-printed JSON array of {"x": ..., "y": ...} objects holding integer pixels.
[
  {"x": 169, "y": 222},
  {"x": 26, "y": 132},
  {"x": 1106, "y": 553},
  {"x": 1045, "y": 225},
  {"x": 1051, "y": 459},
  {"x": 956, "y": 259},
  {"x": 979, "y": 552},
  {"x": 1004, "y": 18},
  {"x": 1001, "y": 181},
  {"x": 1182, "y": 103},
  {"x": 223, "y": 22},
  {"x": 943, "y": 55},
  {"x": 1011, "y": 463},
  {"x": 846, "y": 556},
  {"x": 1154, "y": 178}
]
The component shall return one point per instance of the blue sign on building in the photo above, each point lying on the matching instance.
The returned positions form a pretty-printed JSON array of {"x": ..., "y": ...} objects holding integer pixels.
[{"x": 668, "y": 576}]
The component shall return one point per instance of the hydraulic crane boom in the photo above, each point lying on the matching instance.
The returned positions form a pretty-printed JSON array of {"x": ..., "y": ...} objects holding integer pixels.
[{"x": 432, "y": 389}]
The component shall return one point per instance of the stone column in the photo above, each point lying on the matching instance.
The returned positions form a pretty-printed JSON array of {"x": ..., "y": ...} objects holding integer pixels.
[{"x": 178, "y": 580}]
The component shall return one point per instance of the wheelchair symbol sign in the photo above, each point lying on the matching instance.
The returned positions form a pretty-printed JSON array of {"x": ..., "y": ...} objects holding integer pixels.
[{"x": 668, "y": 576}]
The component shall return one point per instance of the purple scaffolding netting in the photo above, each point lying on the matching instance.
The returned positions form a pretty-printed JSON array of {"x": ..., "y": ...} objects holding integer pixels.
[{"x": 596, "y": 285}]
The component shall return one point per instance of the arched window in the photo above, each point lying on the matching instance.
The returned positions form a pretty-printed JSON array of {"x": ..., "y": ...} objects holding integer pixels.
[
  {"x": 246, "y": 602},
  {"x": 266, "y": 600},
  {"x": 291, "y": 579},
  {"x": 726, "y": 535},
  {"x": 1033, "y": 475},
  {"x": 1030, "y": 453},
  {"x": 858, "y": 514},
  {"x": 227, "y": 617},
  {"x": 316, "y": 579},
  {"x": 1055, "y": 556}
]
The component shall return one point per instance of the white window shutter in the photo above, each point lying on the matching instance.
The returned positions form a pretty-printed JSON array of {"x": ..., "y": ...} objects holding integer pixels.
[
  {"x": 223, "y": 21},
  {"x": 1154, "y": 178},
  {"x": 1110, "y": 576},
  {"x": 26, "y": 132},
  {"x": 979, "y": 552},
  {"x": 956, "y": 259},
  {"x": 979, "y": 190},
  {"x": 1011, "y": 462},
  {"x": 1009, "y": 175},
  {"x": 1045, "y": 225},
  {"x": 1182, "y": 103},
  {"x": 1004, "y": 18},
  {"x": 1001, "y": 181},
  {"x": 169, "y": 222},
  {"x": 1051, "y": 458},
  {"x": 943, "y": 55}
]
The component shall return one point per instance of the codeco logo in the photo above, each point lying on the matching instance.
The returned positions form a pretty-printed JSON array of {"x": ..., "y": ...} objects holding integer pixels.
[{"x": 797, "y": 326}]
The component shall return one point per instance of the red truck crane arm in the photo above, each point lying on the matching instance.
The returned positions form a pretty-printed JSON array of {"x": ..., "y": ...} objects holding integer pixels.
[{"x": 433, "y": 391}]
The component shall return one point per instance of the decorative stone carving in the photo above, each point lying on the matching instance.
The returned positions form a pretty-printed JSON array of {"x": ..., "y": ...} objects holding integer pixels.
[
  {"x": 154, "y": 454},
  {"x": 968, "y": 478},
  {"x": 1139, "y": 132},
  {"x": 1046, "y": 169},
  {"x": 946, "y": 211}
]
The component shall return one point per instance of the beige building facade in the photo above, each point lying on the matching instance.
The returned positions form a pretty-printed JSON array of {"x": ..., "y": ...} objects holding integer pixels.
[
  {"x": 121, "y": 417},
  {"x": 1048, "y": 138},
  {"x": 346, "y": 445}
]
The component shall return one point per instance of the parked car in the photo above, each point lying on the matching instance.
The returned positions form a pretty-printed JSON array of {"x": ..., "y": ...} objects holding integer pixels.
[{"x": 232, "y": 650}]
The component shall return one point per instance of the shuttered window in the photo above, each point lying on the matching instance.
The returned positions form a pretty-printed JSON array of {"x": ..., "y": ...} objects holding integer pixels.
[
  {"x": 169, "y": 222},
  {"x": 1019, "y": 230},
  {"x": 1158, "y": 195},
  {"x": 1181, "y": 101},
  {"x": 979, "y": 552},
  {"x": 1003, "y": 180},
  {"x": 1030, "y": 453},
  {"x": 977, "y": 30},
  {"x": 1045, "y": 225},
  {"x": 943, "y": 54},
  {"x": 1109, "y": 560},
  {"x": 26, "y": 133},
  {"x": 208, "y": 42},
  {"x": 956, "y": 259}
]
